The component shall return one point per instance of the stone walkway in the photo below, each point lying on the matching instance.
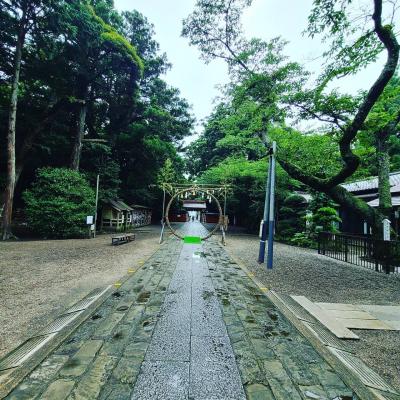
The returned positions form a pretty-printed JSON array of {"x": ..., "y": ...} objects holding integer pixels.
[{"x": 190, "y": 324}]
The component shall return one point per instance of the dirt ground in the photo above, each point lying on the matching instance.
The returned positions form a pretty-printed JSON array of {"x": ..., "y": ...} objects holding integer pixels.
[
  {"x": 303, "y": 272},
  {"x": 39, "y": 279}
]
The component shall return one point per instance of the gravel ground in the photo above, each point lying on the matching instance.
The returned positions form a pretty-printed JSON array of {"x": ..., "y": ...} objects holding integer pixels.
[
  {"x": 39, "y": 279},
  {"x": 303, "y": 272}
]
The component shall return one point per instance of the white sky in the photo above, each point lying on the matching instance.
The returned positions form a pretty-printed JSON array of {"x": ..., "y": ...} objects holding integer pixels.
[{"x": 265, "y": 19}]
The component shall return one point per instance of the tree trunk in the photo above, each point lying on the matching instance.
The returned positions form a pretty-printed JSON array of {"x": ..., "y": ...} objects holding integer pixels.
[
  {"x": 80, "y": 131},
  {"x": 10, "y": 183},
  {"x": 340, "y": 195},
  {"x": 358, "y": 206},
  {"x": 30, "y": 137},
  {"x": 26, "y": 147},
  {"x": 383, "y": 159}
]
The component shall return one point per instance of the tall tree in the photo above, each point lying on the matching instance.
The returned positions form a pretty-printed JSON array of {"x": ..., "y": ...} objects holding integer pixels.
[
  {"x": 25, "y": 14},
  {"x": 382, "y": 125},
  {"x": 91, "y": 90},
  {"x": 95, "y": 47}
]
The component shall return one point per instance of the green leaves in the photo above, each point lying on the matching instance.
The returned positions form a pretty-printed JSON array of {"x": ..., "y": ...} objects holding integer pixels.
[
  {"x": 214, "y": 26},
  {"x": 349, "y": 32},
  {"x": 58, "y": 203},
  {"x": 123, "y": 47},
  {"x": 167, "y": 174},
  {"x": 327, "y": 218},
  {"x": 328, "y": 15},
  {"x": 84, "y": 52}
]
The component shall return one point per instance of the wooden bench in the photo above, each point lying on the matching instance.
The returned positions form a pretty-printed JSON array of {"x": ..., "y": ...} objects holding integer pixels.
[
  {"x": 130, "y": 237},
  {"x": 118, "y": 239},
  {"x": 121, "y": 239}
]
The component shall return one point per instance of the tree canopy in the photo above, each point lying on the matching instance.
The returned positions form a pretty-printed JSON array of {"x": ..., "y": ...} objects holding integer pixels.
[{"x": 270, "y": 92}]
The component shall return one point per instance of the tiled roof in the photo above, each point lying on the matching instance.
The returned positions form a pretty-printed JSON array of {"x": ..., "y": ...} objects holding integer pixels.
[
  {"x": 395, "y": 202},
  {"x": 371, "y": 183},
  {"x": 395, "y": 189},
  {"x": 306, "y": 196},
  {"x": 139, "y": 206},
  {"x": 119, "y": 205}
]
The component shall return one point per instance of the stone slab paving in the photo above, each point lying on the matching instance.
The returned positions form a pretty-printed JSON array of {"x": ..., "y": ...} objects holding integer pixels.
[
  {"x": 190, "y": 355},
  {"x": 274, "y": 360},
  {"x": 102, "y": 358},
  {"x": 190, "y": 324}
]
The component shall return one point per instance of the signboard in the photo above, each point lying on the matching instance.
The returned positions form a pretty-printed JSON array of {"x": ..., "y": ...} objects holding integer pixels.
[
  {"x": 386, "y": 229},
  {"x": 89, "y": 220},
  {"x": 261, "y": 228},
  {"x": 195, "y": 205}
]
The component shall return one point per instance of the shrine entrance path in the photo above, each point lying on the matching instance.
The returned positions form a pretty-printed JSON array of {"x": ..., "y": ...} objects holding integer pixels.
[{"x": 190, "y": 324}]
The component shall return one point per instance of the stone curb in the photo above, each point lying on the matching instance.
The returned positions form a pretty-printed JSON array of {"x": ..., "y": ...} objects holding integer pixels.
[
  {"x": 348, "y": 375},
  {"x": 9, "y": 379}
]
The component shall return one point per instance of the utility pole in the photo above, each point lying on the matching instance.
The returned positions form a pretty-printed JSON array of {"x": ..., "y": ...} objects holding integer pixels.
[
  {"x": 225, "y": 221},
  {"x": 271, "y": 226},
  {"x": 162, "y": 218},
  {"x": 97, "y": 200},
  {"x": 264, "y": 221},
  {"x": 269, "y": 210}
]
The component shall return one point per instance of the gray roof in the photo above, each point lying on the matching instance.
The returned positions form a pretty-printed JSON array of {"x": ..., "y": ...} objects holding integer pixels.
[
  {"x": 395, "y": 202},
  {"x": 371, "y": 183},
  {"x": 119, "y": 205},
  {"x": 306, "y": 196},
  {"x": 136, "y": 206}
]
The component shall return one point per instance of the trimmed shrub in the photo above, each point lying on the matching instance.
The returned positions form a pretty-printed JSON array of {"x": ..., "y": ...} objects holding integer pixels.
[
  {"x": 58, "y": 203},
  {"x": 292, "y": 216},
  {"x": 326, "y": 218},
  {"x": 302, "y": 239}
]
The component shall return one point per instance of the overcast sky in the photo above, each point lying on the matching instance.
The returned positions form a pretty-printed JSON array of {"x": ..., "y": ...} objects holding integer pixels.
[{"x": 265, "y": 19}]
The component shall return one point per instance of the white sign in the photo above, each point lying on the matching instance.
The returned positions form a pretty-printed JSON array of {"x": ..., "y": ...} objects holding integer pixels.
[
  {"x": 261, "y": 229},
  {"x": 386, "y": 229},
  {"x": 89, "y": 220}
]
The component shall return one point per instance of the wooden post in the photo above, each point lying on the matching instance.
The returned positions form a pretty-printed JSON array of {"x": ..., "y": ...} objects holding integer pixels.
[{"x": 97, "y": 200}]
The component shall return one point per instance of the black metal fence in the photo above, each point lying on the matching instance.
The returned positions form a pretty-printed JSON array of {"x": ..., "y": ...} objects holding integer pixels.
[{"x": 378, "y": 255}]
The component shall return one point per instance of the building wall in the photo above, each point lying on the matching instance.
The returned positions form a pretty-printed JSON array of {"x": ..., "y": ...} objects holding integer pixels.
[
  {"x": 351, "y": 223},
  {"x": 178, "y": 217},
  {"x": 212, "y": 218},
  {"x": 141, "y": 217}
]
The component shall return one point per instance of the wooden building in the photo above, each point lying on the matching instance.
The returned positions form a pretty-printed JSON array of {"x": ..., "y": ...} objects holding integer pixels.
[
  {"x": 118, "y": 216},
  {"x": 179, "y": 217},
  {"x": 141, "y": 215},
  {"x": 210, "y": 218},
  {"x": 367, "y": 190}
]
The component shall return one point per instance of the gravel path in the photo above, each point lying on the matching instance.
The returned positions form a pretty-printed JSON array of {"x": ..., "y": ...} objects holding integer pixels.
[
  {"x": 39, "y": 279},
  {"x": 300, "y": 271}
]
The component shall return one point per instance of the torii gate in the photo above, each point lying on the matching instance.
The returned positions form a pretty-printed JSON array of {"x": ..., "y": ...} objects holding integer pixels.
[{"x": 185, "y": 190}]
